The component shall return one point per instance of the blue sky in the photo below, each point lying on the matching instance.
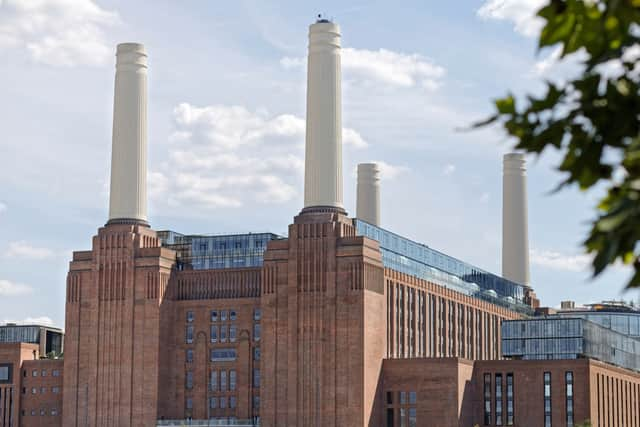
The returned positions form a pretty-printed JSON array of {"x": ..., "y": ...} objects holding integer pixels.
[{"x": 226, "y": 129}]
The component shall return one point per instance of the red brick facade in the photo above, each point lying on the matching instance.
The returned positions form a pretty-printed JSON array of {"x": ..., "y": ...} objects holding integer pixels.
[{"x": 320, "y": 335}]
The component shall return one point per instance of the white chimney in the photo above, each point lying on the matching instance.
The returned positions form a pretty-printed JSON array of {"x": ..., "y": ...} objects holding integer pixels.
[
  {"x": 323, "y": 152},
  {"x": 128, "y": 192},
  {"x": 515, "y": 240},
  {"x": 368, "y": 193}
]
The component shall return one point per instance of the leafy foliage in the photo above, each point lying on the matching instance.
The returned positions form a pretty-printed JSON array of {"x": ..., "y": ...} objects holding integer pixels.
[{"x": 593, "y": 120}]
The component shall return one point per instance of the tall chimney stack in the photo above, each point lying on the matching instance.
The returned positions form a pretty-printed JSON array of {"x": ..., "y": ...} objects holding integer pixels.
[
  {"x": 368, "y": 193},
  {"x": 323, "y": 152},
  {"x": 128, "y": 192},
  {"x": 515, "y": 239}
]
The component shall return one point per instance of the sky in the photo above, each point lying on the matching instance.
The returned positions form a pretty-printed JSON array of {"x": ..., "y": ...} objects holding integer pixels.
[{"x": 226, "y": 129}]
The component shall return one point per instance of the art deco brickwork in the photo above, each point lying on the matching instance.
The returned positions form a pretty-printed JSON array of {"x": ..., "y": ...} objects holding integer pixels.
[
  {"x": 113, "y": 328},
  {"x": 323, "y": 306}
]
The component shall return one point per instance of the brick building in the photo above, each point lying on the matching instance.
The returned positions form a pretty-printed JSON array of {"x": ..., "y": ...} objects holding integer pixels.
[{"x": 340, "y": 323}]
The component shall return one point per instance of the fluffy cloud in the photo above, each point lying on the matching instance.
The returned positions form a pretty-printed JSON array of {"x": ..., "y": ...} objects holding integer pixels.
[
  {"x": 10, "y": 289},
  {"x": 22, "y": 249},
  {"x": 521, "y": 12},
  {"x": 42, "y": 320},
  {"x": 57, "y": 32},
  {"x": 388, "y": 171},
  {"x": 385, "y": 66},
  {"x": 559, "y": 261},
  {"x": 226, "y": 156},
  {"x": 449, "y": 169}
]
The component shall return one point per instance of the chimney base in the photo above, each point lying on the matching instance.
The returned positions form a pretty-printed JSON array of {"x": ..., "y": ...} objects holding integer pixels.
[{"x": 127, "y": 221}]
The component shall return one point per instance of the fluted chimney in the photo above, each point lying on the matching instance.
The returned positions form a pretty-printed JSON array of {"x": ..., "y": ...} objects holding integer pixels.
[
  {"x": 323, "y": 152},
  {"x": 368, "y": 193},
  {"x": 128, "y": 192},
  {"x": 515, "y": 236}
]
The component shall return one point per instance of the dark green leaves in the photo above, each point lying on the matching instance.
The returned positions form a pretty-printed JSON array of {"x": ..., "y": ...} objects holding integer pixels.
[{"x": 593, "y": 120}]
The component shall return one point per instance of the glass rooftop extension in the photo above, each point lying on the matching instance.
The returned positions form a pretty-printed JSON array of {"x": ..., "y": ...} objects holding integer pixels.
[
  {"x": 415, "y": 259},
  {"x": 202, "y": 252}
]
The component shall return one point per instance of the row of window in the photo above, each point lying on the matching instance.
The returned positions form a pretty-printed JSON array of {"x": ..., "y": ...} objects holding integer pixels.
[
  {"x": 223, "y": 315},
  {"x": 43, "y": 373},
  {"x": 189, "y": 355},
  {"x": 500, "y": 418},
  {"x": 222, "y": 402},
  {"x": 221, "y": 385},
  {"x": 222, "y": 333},
  {"x": 34, "y": 390},
  {"x": 53, "y": 412},
  {"x": 402, "y": 398}
]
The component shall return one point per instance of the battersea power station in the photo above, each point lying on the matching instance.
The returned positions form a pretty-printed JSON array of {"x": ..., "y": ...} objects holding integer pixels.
[{"x": 339, "y": 323}]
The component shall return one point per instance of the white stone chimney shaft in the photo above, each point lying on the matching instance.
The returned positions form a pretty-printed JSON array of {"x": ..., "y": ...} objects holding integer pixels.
[
  {"x": 323, "y": 152},
  {"x": 368, "y": 193},
  {"x": 128, "y": 193},
  {"x": 515, "y": 239}
]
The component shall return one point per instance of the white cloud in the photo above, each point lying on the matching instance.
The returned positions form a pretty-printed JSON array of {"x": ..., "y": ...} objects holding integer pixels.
[
  {"x": 57, "y": 32},
  {"x": 226, "y": 156},
  {"x": 521, "y": 12},
  {"x": 3, "y": 207},
  {"x": 388, "y": 171},
  {"x": 385, "y": 66},
  {"x": 10, "y": 289},
  {"x": 559, "y": 261},
  {"x": 449, "y": 169},
  {"x": 22, "y": 249},
  {"x": 42, "y": 320}
]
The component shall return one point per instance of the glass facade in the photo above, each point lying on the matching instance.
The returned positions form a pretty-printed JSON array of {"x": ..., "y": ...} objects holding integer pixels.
[
  {"x": 200, "y": 252},
  {"x": 33, "y": 334},
  {"x": 624, "y": 323},
  {"x": 409, "y": 257},
  {"x": 568, "y": 338}
]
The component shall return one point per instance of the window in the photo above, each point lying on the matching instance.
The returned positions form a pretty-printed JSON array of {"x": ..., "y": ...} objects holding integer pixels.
[
  {"x": 43, "y": 412},
  {"x": 509, "y": 399},
  {"x": 214, "y": 315},
  {"x": 256, "y": 402},
  {"x": 547, "y": 399},
  {"x": 412, "y": 417},
  {"x": 233, "y": 315},
  {"x": 256, "y": 353},
  {"x": 568, "y": 378},
  {"x": 33, "y": 412},
  {"x": 34, "y": 390},
  {"x": 232, "y": 380},
  {"x": 43, "y": 373},
  {"x": 213, "y": 381},
  {"x": 223, "y": 402},
  {"x": 256, "y": 378},
  {"x": 487, "y": 399},
  {"x": 498, "y": 399},
  {"x": 214, "y": 333},
  {"x": 223, "y": 380},
  {"x": 189, "y": 355},
  {"x": 223, "y": 315},
  {"x": 55, "y": 390},
  {"x": 256, "y": 331},
  {"x": 43, "y": 390},
  {"x": 190, "y": 316},
  {"x": 188, "y": 382},
  {"x": 5, "y": 373},
  {"x": 257, "y": 314},
  {"x": 189, "y": 403},
  {"x": 54, "y": 412},
  {"x": 56, "y": 373},
  {"x": 412, "y": 397},
  {"x": 232, "y": 402},
  {"x": 389, "y": 398},
  {"x": 233, "y": 332},
  {"x": 35, "y": 373},
  {"x": 213, "y": 402},
  {"x": 189, "y": 334},
  {"x": 223, "y": 355},
  {"x": 403, "y": 417},
  {"x": 390, "y": 417},
  {"x": 223, "y": 333}
]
